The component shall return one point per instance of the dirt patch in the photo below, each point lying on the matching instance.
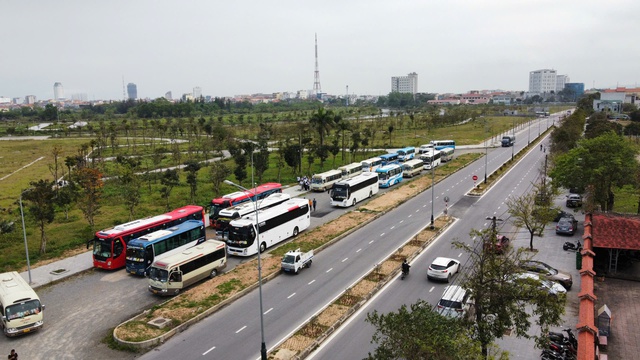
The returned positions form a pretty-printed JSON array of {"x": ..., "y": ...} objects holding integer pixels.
[
  {"x": 296, "y": 343},
  {"x": 362, "y": 288},
  {"x": 331, "y": 314},
  {"x": 283, "y": 354}
]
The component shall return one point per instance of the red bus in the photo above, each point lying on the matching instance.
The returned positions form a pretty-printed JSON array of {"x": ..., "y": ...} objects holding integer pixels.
[
  {"x": 110, "y": 245},
  {"x": 239, "y": 197}
]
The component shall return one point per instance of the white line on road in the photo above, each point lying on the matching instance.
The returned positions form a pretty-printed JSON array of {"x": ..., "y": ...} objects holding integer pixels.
[
  {"x": 393, "y": 227},
  {"x": 459, "y": 254},
  {"x": 358, "y": 250},
  {"x": 381, "y": 235},
  {"x": 345, "y": 259},
  {"x": 206, "y": 352},
  {"x": 266, "y": 312},
  {"x": 371, "y": 242},
  {"x": 242, "y": 328},
  {"x": 433, "y": 287},
  {"x": 329, "y": 270},
  {"x": 409, "y": 215},
  {"x": 290, "y": 296},
  {"x": 311, "y": 282},
  {"x": 401, "y": 221}
]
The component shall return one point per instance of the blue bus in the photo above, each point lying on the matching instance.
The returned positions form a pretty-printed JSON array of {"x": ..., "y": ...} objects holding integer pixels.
[
  {"x": 389, "y": 158},
  {"x": 441, "y": 144},
  {"x": 143, "y": 251},
  {"x": 389, "y": 175},
  {"x": 407, "y": 153}
]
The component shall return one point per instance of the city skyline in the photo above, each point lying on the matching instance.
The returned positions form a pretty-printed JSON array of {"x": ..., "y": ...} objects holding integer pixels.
[{"x": 255, "y": 47}]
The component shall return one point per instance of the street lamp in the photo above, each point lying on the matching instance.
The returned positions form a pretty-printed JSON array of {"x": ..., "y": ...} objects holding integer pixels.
[
  {"x": 486, "y": 155},
  {"x": 514, "y": 138},
  {"x": 433, "y": 185},
  {"x": 529, "y": 142},
  {"x": 24, "y": 234}
]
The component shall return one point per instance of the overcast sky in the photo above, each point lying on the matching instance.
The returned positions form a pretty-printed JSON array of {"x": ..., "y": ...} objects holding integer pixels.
[{"x": 258, "y": 46}]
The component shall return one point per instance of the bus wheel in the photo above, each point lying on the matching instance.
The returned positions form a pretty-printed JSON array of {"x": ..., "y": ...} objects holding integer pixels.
[
  {"x": 213, "y": 273},
  {"x": 354, "y": 202},
  {"x": 176, "y": 292},
  {"x": 295, "y": 231},
  {"x": 263, "y": 247}
]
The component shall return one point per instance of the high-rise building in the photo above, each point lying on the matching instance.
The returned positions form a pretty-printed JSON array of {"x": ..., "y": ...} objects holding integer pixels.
[
  {"x": 560, "y": 81},
  {"x": 58, "y": 91},
  {"x": 575, "y": 90},
  {"x": 30, "y": 99},
  {"x": 542, "y": 81},
  {"x": 197, "y": 92},
  {"x": 132, "y": 90},
  {"x": 168, "y": 95},
  {"x": 405, "y": 84}
]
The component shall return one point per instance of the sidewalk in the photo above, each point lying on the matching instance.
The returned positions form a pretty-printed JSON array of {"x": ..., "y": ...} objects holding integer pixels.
[{"x": 64, "y": 268}]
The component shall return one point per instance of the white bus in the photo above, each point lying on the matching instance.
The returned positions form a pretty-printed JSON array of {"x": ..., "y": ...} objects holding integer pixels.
[
  {"x": 348, "y": 192},
  {"x": 425, "y": 148},
  {"x": 351, "y": 170},
  {"x": 325, "y": 180},
  {"x": 412, "y": 168},
  {"x": 174, "y": 273},
  {"x": 225, "y": 216},
  {"x": 276, "y": 224},
  {"x": 431, "y": 159},
  {"x": 21, "y": 309},
  {"x": 370, "y": 165},
  {"x": 446, "y": 154}
]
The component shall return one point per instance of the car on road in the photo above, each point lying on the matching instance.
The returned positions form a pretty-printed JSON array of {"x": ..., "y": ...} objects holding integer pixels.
[
  {"x": 560, "y": 215},
  {"x": 567, "y": 226},
  {"x": 443, "y": 268},
  {"x": 548, "y": 272},
  {"x": 574, "y": 200},
  {"x": 499, "y": 246},
  {"x": 455, "y": 302},
  {"x": 527, "y": 279}
]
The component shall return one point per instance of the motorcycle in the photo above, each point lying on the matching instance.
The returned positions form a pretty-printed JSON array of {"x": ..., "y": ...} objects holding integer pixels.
[
  {"x": 405, "y": 272},
  {"x": 548, "y": 354},
  {"x": 560, "y": 338},
  {"x": 569, "y": 246}
]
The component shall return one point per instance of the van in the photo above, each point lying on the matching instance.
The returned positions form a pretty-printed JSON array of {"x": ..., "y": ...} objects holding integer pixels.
[
  {"x": 20, "y": 306},
  {"x": 456, "y": 302}
]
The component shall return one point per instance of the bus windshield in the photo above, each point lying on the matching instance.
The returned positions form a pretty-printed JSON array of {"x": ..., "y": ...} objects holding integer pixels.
[
  {"x": 23, "y": 309},
  {"x": 316, "y": 180},
  {"x": 289, "y": 259},
  {"x": 383, "y": 176},
  {"x": 102, "y": 247},
  {"x": 340, "y": 192},
  {"x": 135, "y": 254},
  {"x": 158, "y": 274},
  {"x": 241, "y": 236},
  {"x": 215, "y": 208}
]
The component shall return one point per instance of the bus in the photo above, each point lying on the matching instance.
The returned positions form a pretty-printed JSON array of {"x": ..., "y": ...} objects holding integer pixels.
[
  {"x": 348, "y": 192},
  {"x": 441, "y": 144},
  {"x": 174, "y": 273},
  {"x": 389, "y": 158},
  {"x": 21, "y": 309},
  {"x": 143, "y": 251},
  {"x": 431, "y": 159},
  {"x": 425, "y": 148},
  {"x": 370, "y": 165},
  {"x": 225, "y": 216},
  {"x": 351, "y": 170},
  {"x": 412, "y": 168},
  {"x": 407, "y": 153},
  {"x": 389, "y": 175},
  {"x": 446, "y": 154},
  {"x": 110, "y": 245},
  {"x": 238, "y": 197},
  {"x": 325, "y": 180},
  {"x": 276, "y": 224}
]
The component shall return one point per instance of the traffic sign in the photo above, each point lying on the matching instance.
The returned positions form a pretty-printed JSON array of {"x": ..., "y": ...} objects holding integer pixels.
[{"x": 475, "y": 177}]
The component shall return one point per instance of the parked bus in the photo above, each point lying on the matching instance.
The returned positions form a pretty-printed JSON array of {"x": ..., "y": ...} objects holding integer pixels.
[
  {"x": 21, "y": 309},
  {"x": 425, "y": 148},
  {"x": 110, "y": 245},
  {"x": 174, "y": 273},
  {"x": 441, "y": 144},
  {"x": 276, "y": 224},
  {"x": 431, "y": 159},
  {"x": 325, "y": 180},
  {"x": 412, "y": 168},
  {"x": 143, "y": 251},
  {"x": 351, "y": 170},
  {"x": 446, "y": 154},
  {"x": 370, "y": 165},
  {"x": 389, "y": 158},
  {"x": 389, "y": 175},
  {"x": 407, "y": 153},
  {"x": 225, "y": 216},
  {"x": 238, "y": 197},
  {"x": 348, "y": 192}
]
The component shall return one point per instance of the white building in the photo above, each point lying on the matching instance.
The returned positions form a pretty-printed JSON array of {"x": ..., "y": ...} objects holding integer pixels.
[
  {"x": 58, "y": 91},
  {"x": 405, "y": 84},
  {"x": 561, "y": 80},
  {"x": 197, "y": 92},
  {"x": 542, "y": 81}
]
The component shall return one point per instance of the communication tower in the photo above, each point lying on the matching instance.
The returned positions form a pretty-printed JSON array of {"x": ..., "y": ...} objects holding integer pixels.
[{"x": 317, "y": 90}]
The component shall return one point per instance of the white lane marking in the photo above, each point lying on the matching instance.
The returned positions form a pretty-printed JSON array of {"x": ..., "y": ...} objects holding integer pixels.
[
  {"x": 393, "y": 227},
  {"x": 311, "y": 282},
  {"x": 381, "y": 235},
  {"x": 290, "y": 296},
  {"x": 459, "y": 254},
  {"x": 345, "y": 259},
  {"x": 401, "y": 221},
  {"x": 410, "y": 215},
  {"x": 242, "y": 328},
  {"x": 268, "y": 311},
  {"x": 329, "y": 270},
  {"x": 371, "y": 242},
  {"x": 419, "y": 210},
  {"x": 357, "y": 251},
  {"x": 206, "y": 352},
  {"x": 433, "y": 287}
]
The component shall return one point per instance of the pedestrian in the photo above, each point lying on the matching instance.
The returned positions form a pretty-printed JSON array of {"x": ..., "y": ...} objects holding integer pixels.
[
  {"x": 541, "y": 147},
  {"x": 301, "y": 184},
  {"x": 310, "y": 204},
  {"x": 314, "y": 204},
  {"x": 545, "y": 149},
  {"x": 13, "y": 355}
]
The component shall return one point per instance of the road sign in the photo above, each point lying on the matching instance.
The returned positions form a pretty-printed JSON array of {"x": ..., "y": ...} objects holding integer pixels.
[{"x": 475, "y": 177}]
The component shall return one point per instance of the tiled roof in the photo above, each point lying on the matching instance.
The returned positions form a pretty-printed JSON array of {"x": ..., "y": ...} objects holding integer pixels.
[{"x": 616, "y": 231}]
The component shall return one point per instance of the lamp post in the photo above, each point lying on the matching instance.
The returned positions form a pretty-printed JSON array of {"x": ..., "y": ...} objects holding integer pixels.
[
  {"x": 529, "y": 142},
  {"x": 486, "y": 155},
  {"x": 514, "y": 138},
  {"x": 433, "y": 185},
  {"x": 263, "y": 346},
  {"x": 24, "y": 234}
]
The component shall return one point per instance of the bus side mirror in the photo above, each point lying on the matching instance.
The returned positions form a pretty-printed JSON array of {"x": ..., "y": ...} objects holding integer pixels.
[{"x": 43, "y": 307}]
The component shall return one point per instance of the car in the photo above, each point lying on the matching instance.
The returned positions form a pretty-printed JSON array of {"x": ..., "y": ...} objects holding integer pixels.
[
  {"x": 443, "y": 268},
  {"x": 567, "y": 226},
  {"x": 456, "y": 302},
  {"x": 560, "y": 215},
  {"x": 548, "y": 272},
  {"x": 574, "y": 200},
  {"x": 501, "y": 244},
  {"x": 552, "y": 288}
]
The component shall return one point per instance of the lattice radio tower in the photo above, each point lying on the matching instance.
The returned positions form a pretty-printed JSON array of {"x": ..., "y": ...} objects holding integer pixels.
[{"x": 317, "y": 89}]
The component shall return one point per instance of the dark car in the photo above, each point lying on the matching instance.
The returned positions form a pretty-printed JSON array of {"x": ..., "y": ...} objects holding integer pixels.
[
  {"x": 560, "y": 215},
  {"x": 546, "y": 271},
  {"x": 501, "y": 244},
  {"x": 574, "y": 200},
  {"x": 567, "y": 226}
]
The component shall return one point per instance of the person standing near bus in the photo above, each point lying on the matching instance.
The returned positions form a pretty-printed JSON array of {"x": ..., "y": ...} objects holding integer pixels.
[
  {"x": 310, "y": 204},
  {"x": 314, "y": 204}
]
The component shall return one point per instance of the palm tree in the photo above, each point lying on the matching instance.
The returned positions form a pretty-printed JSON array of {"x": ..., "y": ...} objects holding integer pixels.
[{"x": 323, "y": 121}]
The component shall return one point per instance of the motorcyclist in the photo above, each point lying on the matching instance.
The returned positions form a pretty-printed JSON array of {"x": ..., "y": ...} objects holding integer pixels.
[{"x": 405, "y": 267}]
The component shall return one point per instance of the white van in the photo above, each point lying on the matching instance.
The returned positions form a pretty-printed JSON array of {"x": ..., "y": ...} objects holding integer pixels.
[
  {"x": 21, "y": 309},
  {"x": 174, "y": 273},
  {"x": 456, "y": 303}
]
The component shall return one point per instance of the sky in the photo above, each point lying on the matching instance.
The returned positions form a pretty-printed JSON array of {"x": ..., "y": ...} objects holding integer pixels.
[{"x": 231, "y": 48}]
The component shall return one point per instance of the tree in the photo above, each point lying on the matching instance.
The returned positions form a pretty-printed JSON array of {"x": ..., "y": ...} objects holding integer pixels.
[
  {"x": 129, "y": 184},
  {"x": 50, "y": 113},
  {"x": 169, "y": 180},
  {"x": 66, "y": 196},
  {"x": 192, "y": 167},
  {"x": 323, "y": 121},
  {"x": 217, "y": 174},
  {"x": 90, "y": 182},
  {"x": 529, "y": 213},
  {"x": 292, "y": 156},
  {"x": 40, "y": 196},
  {"x": 603, "y": 162},
  {"x": 499, "y": 301},
  {"x": 421, "y": 333}
]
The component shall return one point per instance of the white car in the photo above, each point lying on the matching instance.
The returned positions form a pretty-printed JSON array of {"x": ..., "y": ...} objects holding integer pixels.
[
  {"x": 443, "y": 268},
  {"x": 552, "y": 287}
]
